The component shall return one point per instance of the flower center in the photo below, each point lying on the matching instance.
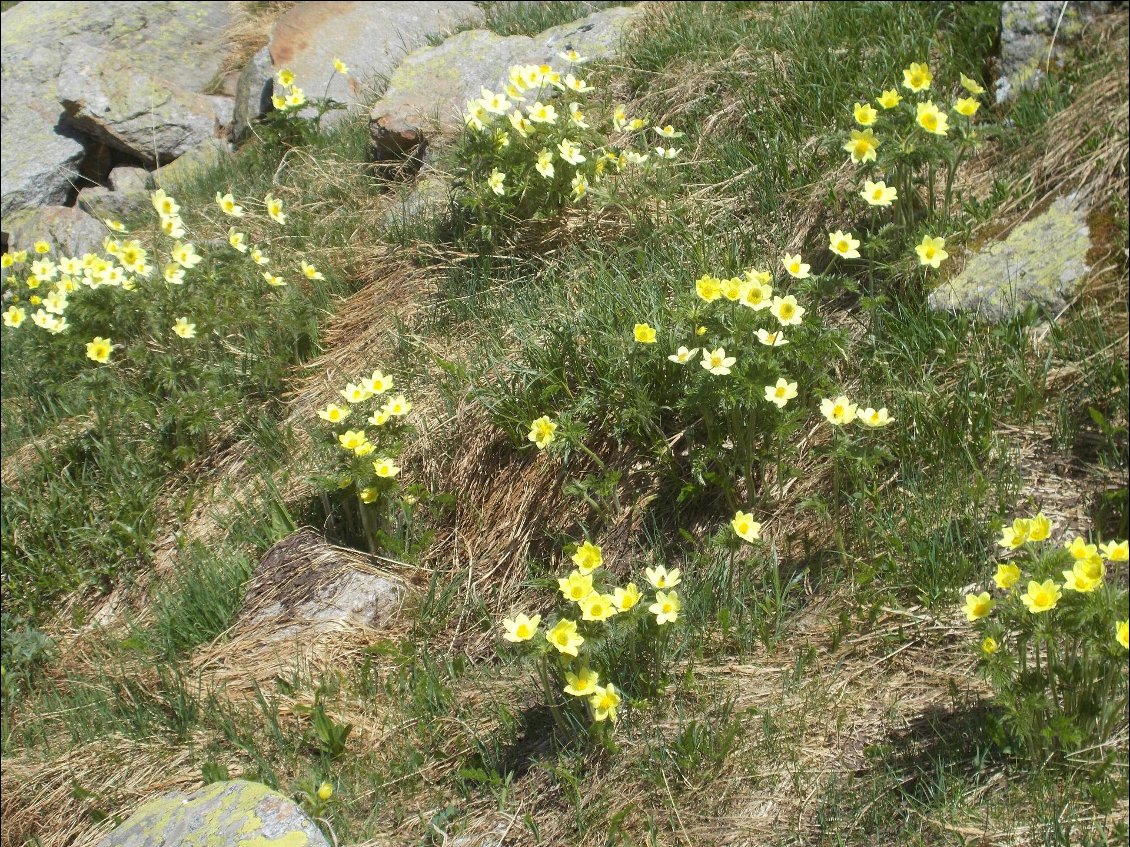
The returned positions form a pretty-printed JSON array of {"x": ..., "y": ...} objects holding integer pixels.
[
  {"x": 843, "y": 247},
  {"x": 786, "y": 310}
]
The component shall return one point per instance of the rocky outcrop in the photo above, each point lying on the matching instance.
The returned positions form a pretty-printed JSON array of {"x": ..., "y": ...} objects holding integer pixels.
[
  {"x": 1033, "y": 34},
  {"x": 370, "y": 38},
  {"x": 252, "y": 93},
  {"x": 181, "y": 43},
  {"x": 428, "y": 91},
  {"x": 70, "y": 231},
  {"x": 1041, "y": 261},
  {"x": 235, "y": 813}
]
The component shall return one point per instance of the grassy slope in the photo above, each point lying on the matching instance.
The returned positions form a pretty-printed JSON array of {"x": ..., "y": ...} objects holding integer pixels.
[{"x": 835, "y": 707}]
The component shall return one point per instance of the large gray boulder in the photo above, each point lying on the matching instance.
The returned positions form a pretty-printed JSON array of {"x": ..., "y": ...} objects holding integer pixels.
[
  {"x": 70, "y": 231},
  {"x": 426, "y": 95},
  {"x": 112, "y": 100},
  {"x": 370, "y": 38},
  {"x": 1041, "y": 261},
  {"x": 183, "y": 42},
  {"x": 235, "y": 813}
]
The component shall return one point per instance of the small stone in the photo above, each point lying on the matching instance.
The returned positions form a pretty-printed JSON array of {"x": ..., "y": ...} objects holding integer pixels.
[
  {"x": 191, "y": 166},
  {"x": 70, "y": 231},
  {"x": 127, "y": 178},
  {"x": 235, "y": 813},
  {"x": 252, "y": 94},
  {"x": 1041, "y": 261},
  {"x": 224, "y": 108},
  {"x": 430, "y": 195},
  {"x": 105, "y": 203},
  {"x": 394, "y": 138}
]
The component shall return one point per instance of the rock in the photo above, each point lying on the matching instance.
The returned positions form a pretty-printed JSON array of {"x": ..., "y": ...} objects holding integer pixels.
[
  {"x": 427, "y": 93},
  {"x": 106, "y": 203},
  {"x": 1027, "y": 29},
  {"x": 369, "y": 37},
  {"x": 393, "y": 138},
  {"x": 304, "y": 585},
  {"x": 224, "y": 109},
  {"x": 71, "y": 231},
  {"x": 431, "y": 195},
  {"x": 126, "y": 178},
  {"x": 1040, "y": 261},
  {"x": 191, "y": 166},
  {"x": 42, "y": 155},
  {"x": 109, "y": 98},
  {"x": 235, "y": 813},
  {"x": 252, "y": 93}
]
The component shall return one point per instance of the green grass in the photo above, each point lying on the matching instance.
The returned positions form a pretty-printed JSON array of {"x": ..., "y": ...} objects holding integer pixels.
[{"x": 782, "y": 655}]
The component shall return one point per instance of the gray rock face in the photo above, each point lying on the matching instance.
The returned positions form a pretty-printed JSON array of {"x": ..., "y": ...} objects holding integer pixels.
[
  {"x": 71, "y": 231},
  {"x": 190, "y": 166},
  {"x": 370, "y": 38},
  {"x": 125, "y": 178},
  {"x": 234, "y": 813},
  {"x": 432, "y": 85},
  {"x": 105, "y": 203},
  {"x": 1040, "y": 261},
  {"x": 42, "y": 156},
  {"x": 1027, "y": 29},
  {"x": 112, "y": 100},
  {"x": 305, "y": 585},
  {"x": 252, "y": 93}
]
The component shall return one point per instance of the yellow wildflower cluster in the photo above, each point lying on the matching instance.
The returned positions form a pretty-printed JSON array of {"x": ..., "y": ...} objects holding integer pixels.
[
  {"x": 592, "y": 605},
  {"x": 293, "y": 97}
]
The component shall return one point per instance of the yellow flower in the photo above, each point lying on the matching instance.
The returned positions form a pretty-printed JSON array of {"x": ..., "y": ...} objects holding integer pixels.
[
  {"x": 278, "y": 101},
  {"x": 572, "y": 55},
  {"x": 666, "y": 607},
  {"x": 325, "y": 791},
  {"x": 542, "y": 432},
  {"x": 564, "y": 637},
  {"x": 971, "y": 85},
  {"x": 644, "y": 333},
  {"x": 541, "y": 113},
  {"x": 863, "y": 146},
  {"x": 1091, "y": 568},
  {"x": 545, "y": 163},
  {"x": 890, "y": 98},
  {"x": 580, "y": 186},
  {"x": 237, "y": 240},
  {"x": 1016, "y": 535},
  {"x": 275, "y": 209},
  {"x": 932, "y": 119},
  {"x": 385, "y": 469},
  {"x": 495, "y": 182},
  {"x": 733, "y": 288},
  {"x": 398, "y": 406},
  {"x": 917, "y": 77},
  {"x": 351, "y": 439},
  {"x": 771, "y": 339},
  {"x": 578, "y": 85},
  {"x": 474, "y": 113},
  {"x": 19, "y": 257},
  {"x": 576, "y": 586},
  {"x": 840, "y": 411},
  {"x": 520, "y": 628},
  {"x": 667, "y": 152},
  {"x": 294, "y": 98},
  {"x": 341, "y": 67},
  {"x": 931, "y": 251},
  {"x": 286, "y": 77},
  {"x": 757, "y": 295},
  {"x": 1122, "y": 634},
  {"x": 184, "y": 329},
  {"x": 172, "y": 226},
  {"x": 99, "y": 349},
  {"x": 1007, "y": 575},
  {"x": 843, "y": 244},
  {"x": 588, "y": 557},
  {"x": 786, "y": 310},
  {"x": 978, "y": 605},
  {"x": 597, "y": 607},
  {"x": 333, "y": 413},
  {"x": 186, "y": 256},
  {"x": 1039, "y": 528},
  {"x": 173, "y": 274},
  {"x": 745, "y": 526},
  {"x": 583, "y": 683},
  {"x": 865, "y": 114},
  {"x": 966, "y": 106},
  {"x": 660, "y": 577},
  {"x": 41, "y": 247},
  {"x": 708, "y": 288},
  {"x": 272, "y": 280},
  {"x": 627, "y": 597},
  {"x": 354, "y": 393},
  {"x": 683, "y": 355},
  {"x": 570, "y": 152},
  {"x": 1080, "y": 549},
  {"x": 700, "y": 331},
  {"x": 116, "y": 226},
  {"x": 717, "y": 362},
  {"x": 781, "y": 393},
  {"x": 1041, "y": 597},
  {"x": 7, "y": 260},
  {"x": 796, "y": 268},
  {"x": 1073, "y": 580},
  {"x": 14, "y": 316},
  {"x": 667, "y": 131},
  {"x": 878, "y": 194},
  {"x": 1115, "y": 551},
  {"x": 165, "y": 205},
  {"x": 228, "y": 206},
  {"x": 874, "y": 419},
  {"x": 520, "y": 123},
  {"x": 604, "y": 703},
  {"x": 989, "y": 645},
  {"x": 578, "y": 119}
]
